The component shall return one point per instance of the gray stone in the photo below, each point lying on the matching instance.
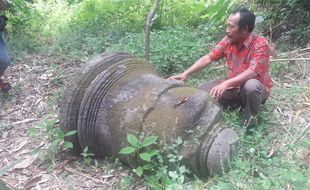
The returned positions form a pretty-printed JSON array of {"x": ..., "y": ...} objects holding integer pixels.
[{"x": 117, "y": 94}]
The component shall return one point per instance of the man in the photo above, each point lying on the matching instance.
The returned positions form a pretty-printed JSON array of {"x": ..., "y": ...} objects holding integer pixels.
[
  {"x": 247, "y": 56},
  {"x": 4, "y": 57}
]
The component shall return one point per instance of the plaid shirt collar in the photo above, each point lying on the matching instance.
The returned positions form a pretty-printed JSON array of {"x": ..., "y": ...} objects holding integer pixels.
[{"x": 248, "y": 41}]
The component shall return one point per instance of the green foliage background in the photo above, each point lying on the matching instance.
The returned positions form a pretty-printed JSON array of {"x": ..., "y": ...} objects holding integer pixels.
[{"x": 288, "y": 19}]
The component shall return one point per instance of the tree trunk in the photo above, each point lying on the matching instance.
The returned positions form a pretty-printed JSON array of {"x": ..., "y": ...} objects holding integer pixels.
[{"x": 147, "y": 30}]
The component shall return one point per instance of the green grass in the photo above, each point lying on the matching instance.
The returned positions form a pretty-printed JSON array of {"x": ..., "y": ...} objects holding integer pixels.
[{"x": 269, "y": 158}]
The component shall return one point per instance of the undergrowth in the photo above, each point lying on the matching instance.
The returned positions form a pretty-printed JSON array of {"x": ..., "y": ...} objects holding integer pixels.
[
  {"x": 172, "y": 50},
  {"x": 162, "y": 168},
  {"x": 269, "y": 158}
]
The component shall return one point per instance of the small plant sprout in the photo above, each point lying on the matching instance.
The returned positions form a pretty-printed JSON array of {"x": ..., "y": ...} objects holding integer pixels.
[
  {"x": 87, "y": 156},
  {"x": 52, "y": 134},
  {"x": 142, "y": 151}
]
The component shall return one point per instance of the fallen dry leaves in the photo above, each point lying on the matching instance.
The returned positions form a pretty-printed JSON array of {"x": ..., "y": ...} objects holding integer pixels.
[{"x": 30, "y": 102}]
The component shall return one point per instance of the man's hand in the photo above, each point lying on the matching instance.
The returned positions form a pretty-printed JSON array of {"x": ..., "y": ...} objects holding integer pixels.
[
  {"x": 181, "y": 77},
  {"x": 218, "y": 90},
  {"x": 197, "y": 66}
]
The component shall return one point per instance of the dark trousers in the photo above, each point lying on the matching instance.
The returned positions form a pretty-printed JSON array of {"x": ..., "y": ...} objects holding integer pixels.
[
  {"x": 4, "y": 56},
  {"x": 249, "y": 96}
]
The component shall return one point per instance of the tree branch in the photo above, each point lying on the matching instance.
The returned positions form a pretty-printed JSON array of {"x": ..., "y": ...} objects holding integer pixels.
[{"x": 147, "y": 30}]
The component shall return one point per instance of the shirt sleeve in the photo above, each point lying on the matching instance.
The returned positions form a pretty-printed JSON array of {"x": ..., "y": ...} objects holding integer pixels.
[
  {"x": 218, "y": 51},
  {"x": 260, "y": 57}
]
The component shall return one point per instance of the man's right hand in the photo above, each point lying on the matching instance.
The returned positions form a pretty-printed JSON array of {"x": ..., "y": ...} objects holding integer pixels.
[
  {"x": 197, "y": 66},
  {"x": 181, "y": 77}
]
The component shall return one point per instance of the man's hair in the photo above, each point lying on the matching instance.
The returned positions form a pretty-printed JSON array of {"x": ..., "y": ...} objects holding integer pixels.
[{"x": 247, "y": 18}]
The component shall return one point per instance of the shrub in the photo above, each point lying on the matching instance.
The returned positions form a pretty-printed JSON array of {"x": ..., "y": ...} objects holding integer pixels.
[
  {"x": 24, "y": 28},
  {"x": 172, "y": 50},
  {"x": 288, "y": 19},
  {"x": 84, "y": 28},
  {"x": 95, "y": 25}
]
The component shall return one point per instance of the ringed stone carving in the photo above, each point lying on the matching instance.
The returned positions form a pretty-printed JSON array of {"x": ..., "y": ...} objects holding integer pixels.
[{"x": 117, "y": 94}]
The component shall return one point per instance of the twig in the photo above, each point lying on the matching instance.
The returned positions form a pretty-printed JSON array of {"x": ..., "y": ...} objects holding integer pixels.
[
  {"x": 24, "y": 121},
  {"x": 304, "y": 71},
  {"x": 68, "y": 75},
  {"x": 148, "y": 25},
  {"x": 290, "y": 59},
  {"x": 275, "y": 82},
  {"x": 301, "y": 55},
  {"x": 57, "y": 179},
  {"x": 286, "y": 130},
  {"x": 300, "y": 50},
  {"x": 289, "y": 77},
  {"x": 302, "y": 132},
  {"x": 279, "y": 110},
  {"x": 60, "y": 184},
  {"x": 206, "y": 184},
  {"x": 84, "y": 175}
]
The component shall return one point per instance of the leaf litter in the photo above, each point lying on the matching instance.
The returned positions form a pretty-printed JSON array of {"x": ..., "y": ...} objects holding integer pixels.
[{"x": 31, "y": 101}]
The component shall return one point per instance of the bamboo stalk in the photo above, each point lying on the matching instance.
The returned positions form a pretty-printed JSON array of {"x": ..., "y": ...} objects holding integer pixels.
[{"x": 291, "y": 59}]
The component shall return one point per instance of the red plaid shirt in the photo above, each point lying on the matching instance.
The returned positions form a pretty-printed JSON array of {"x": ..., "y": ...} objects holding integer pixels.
[{"x": 254, "y": 53}]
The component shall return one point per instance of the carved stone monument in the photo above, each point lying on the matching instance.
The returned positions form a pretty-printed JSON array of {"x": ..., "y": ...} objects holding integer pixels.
[{"x": 117, "y": 94}]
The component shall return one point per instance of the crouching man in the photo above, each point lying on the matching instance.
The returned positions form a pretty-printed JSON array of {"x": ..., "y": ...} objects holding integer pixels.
[{"x": 247, "y": 55}]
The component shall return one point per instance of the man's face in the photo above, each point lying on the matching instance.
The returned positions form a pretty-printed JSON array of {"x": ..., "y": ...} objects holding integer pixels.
[{"x": 232, "y": 28}]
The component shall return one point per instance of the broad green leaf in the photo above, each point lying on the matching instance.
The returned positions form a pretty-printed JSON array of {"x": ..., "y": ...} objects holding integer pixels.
[
  {"x": 133, "y": 140},
  {"x": 71, "y": 133},
  {"x": 182, "y": 169},
  {"x": 54, "y": 145},
  {"x": 59, "y": 133},
  {"x": 127, "y": 150},
  {"x": 139, "y": 171},
  {"x": 149, "y": 141},
  {"x": 179, "y": 141},
  {"x": 145, "y": 156},
  {"x": 172, "y": 160},
  {"x": 147, "y": 166},
  {"x": 152, "y": 181},
  {"x": 181, "y": 179},
  {"x": 8, "y": 167},
  {"x": 68, "y": 145},
  {"x": 173, "y": 174},
  {"x": 85, "y": 149},
  {"x": 152, "y": 152}
]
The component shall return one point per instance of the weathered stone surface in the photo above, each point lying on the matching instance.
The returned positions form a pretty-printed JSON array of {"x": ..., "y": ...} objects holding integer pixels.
[
  {"x": 70, "y": 105},
  {"x": 117, "y": 94}
]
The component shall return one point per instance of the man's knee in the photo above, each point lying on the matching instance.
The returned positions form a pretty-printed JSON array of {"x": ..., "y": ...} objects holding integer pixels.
[{"x": 253, "y": 86}]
